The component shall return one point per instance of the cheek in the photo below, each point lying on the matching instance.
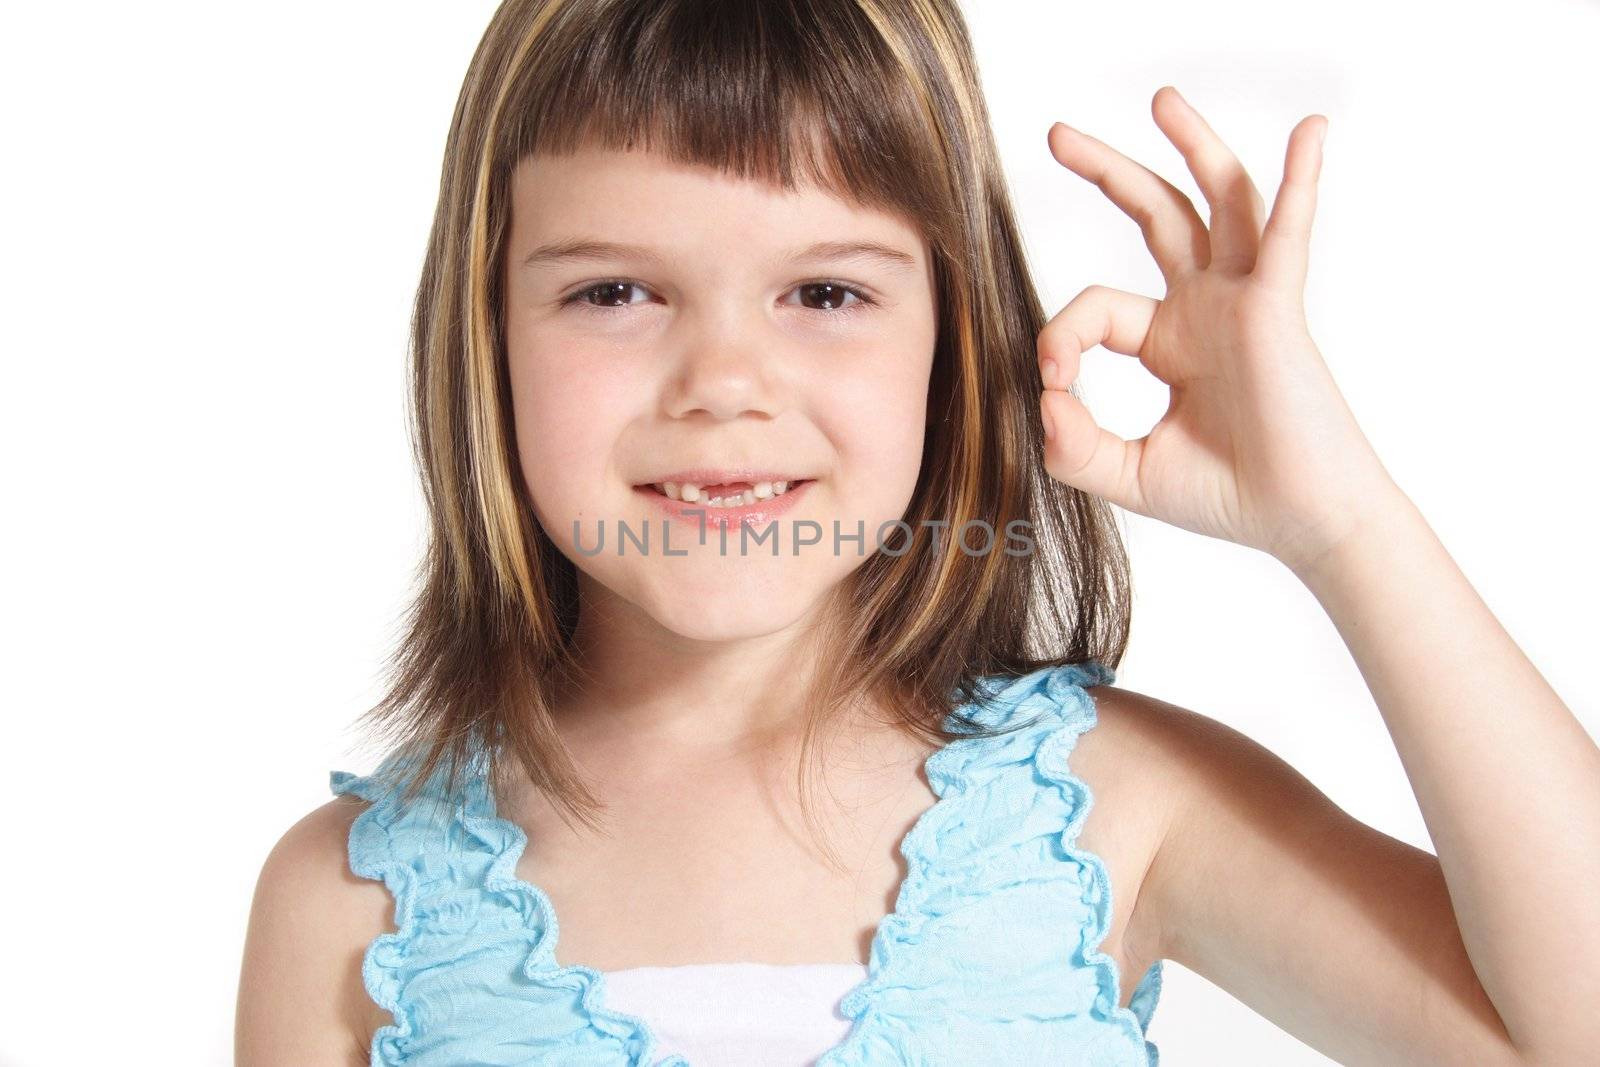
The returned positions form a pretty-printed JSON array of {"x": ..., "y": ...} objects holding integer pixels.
[
  {"x": 877, "y": 415},
  {"x": 565, "y": 422}
]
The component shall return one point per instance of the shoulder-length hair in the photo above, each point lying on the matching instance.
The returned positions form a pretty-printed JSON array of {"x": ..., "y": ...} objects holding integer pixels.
[{"x": 877, "y": 100}]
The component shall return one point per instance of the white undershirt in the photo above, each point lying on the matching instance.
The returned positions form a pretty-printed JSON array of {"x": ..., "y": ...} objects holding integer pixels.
[{"x": 738, "y": 1014}]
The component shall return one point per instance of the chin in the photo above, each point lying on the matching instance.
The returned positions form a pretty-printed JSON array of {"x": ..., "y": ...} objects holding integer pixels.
[
  {"x": 687, "y": 610},
  {"x": 728, "y": 618}
]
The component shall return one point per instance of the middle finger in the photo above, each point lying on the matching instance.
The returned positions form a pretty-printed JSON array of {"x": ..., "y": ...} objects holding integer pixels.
[{"x": 1237, "y": 210}]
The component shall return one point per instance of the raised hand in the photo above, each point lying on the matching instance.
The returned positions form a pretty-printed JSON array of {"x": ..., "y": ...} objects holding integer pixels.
[{"x": 1257, "y": 445}]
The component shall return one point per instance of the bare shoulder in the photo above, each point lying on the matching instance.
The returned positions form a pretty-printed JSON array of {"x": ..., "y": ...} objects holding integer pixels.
[
  {"x": 1175, "y": 760},
  {"x": 301, "y": 999},
  {"x": 1134, "y": 757},
  {"x": 1154, "y": 741},
  {"x": 1149, "y": 763}
]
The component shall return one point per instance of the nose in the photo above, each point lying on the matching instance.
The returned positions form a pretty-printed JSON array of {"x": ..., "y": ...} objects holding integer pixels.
[{"x": 726, "y": 369}]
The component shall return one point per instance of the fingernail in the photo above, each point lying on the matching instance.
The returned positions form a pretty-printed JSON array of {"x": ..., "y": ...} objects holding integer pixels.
[
  {"x": 1049, "y": 426},
  {"x": 1050, "y": 372}
]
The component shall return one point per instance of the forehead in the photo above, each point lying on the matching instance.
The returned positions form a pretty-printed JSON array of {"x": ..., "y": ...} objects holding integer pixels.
[{"x": 640, "y": 195}]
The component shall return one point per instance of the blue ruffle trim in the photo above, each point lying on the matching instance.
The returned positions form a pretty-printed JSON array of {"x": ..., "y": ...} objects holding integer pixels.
[
  {"x": 371, "y": 857},
  {"x": 957, "y": 877},
  {"x": 490, "y": 850},
  {"x": 1065, "y": 687},
  {"x": 631, "y": 1034}
]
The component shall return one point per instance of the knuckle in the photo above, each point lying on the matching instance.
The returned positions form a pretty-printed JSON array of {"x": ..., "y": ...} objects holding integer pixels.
[
  {"x": 1057, "y": 334},
  {"x": 1145, "y": 216}
]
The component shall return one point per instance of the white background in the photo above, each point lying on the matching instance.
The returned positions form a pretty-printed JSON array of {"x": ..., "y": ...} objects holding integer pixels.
[{"x": 214, "y": 223}]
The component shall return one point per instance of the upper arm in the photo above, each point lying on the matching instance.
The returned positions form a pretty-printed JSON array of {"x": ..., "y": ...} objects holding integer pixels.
[
  {"x": 1340, "y": 934},
  {"x": 301, "y": 1000}
]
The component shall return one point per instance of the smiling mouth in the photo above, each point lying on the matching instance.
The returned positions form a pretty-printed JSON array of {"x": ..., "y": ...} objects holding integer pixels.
[{"x": 725, "y": 494}]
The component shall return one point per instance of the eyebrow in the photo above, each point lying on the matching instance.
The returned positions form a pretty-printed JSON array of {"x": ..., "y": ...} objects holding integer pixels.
[{"x": 579, "y": 250}]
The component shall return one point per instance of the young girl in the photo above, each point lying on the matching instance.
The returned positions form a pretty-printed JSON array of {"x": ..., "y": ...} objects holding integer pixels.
[{"x": 861, "y": 792}]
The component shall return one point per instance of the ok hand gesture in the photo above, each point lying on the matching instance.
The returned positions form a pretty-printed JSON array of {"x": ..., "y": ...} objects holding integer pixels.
[{"x": 1257, "y": 445}]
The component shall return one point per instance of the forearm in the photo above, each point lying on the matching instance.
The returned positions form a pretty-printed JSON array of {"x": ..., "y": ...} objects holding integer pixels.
[{"x": 1507, "y": 779}]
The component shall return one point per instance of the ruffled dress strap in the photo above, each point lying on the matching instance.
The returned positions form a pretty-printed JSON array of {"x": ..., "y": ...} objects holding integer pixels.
[
  {"x": 469, "y": 973},
  {"x": 991, "y": 954}
]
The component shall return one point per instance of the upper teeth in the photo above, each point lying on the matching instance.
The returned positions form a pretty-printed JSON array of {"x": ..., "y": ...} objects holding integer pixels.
[{"x": 693, "y": 494}]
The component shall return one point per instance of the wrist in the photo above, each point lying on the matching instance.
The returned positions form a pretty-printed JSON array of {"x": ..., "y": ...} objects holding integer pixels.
[{"x": 1380, "y": 526}]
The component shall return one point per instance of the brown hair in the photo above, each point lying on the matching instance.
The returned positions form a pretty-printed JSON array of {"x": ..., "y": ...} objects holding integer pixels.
[{"x": 878, "y": 100}]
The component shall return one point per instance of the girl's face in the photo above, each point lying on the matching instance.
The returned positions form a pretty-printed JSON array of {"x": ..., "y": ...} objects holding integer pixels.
[{"x": 664, "y": 319}]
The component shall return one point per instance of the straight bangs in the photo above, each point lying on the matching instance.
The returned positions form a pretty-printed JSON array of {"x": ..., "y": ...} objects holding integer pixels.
[{"x": 832, "y": 93}]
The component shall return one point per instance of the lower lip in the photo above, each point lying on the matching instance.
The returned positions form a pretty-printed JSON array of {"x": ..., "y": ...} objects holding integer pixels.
[{"x": 757, "y": 514}]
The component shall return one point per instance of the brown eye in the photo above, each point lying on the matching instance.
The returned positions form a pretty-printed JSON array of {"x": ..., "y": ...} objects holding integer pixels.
[
  {"x": 603, "y": 295},
  {"x": 833, "y": 296}
]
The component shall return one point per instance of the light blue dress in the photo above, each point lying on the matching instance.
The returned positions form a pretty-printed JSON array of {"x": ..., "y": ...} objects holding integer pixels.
[{"x": 989, "y": 957}]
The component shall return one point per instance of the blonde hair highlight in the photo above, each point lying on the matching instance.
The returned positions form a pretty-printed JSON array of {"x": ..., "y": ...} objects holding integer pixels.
[{"x": 487, "y": 636}]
